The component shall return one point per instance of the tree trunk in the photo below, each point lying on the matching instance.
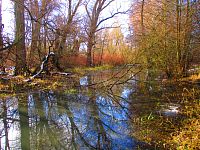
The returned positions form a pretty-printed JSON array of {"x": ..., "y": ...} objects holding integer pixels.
[
  {"x": 1, "y": 26},
  {"x": 178, "y": 30},
  {"x": 89, "y": 53},
  {"x": 142, "y": 18},
  {"x": 35, "y": 53},
  {"x": 186, "y": 58},
  {"x": 1, "y": 38},
  {"x": 20, "y": 38}
]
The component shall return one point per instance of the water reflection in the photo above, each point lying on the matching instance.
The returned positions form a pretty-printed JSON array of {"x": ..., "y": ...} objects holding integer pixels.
[
  {"x": 169, "y": 109},
  {"x": 51, "y": 120},
  {"x": 88, "y": 118},
  {"x": 84, "y": 80},
  {"x": 9, "y": 125}
]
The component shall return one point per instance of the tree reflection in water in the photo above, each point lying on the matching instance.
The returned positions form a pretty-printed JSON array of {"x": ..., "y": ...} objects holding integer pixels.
[{"x": 53, "y": 120}]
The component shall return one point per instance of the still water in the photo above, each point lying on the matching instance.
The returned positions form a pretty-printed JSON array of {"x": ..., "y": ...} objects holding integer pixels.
[{"x": 78, "y": 118}]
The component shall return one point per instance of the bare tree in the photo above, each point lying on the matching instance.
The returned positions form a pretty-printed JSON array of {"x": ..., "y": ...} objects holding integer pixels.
[
  {"x": 66, "y": 29},
  {"x": 95, "y": 21},
  {"x": 38, "y": 14}
]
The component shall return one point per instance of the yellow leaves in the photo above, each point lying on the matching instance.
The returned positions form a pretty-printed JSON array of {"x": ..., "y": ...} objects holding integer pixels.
[
  {"x": 189, "y": 136},
  {"x": 2, "y": 86},
  {"x": 195, "y": 77}
]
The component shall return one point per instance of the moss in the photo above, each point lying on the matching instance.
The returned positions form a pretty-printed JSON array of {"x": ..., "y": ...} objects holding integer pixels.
[{"x": 71, "y": 91}]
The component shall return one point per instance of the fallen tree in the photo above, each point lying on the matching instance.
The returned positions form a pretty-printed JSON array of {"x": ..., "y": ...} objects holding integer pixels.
[{"x": 44, "y": 67}]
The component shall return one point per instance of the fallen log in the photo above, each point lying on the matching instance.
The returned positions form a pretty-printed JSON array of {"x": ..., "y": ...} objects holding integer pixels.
[{"x": 42, "y": 66}]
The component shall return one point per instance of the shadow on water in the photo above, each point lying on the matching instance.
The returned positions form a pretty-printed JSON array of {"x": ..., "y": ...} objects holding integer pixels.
[{"x": 82, "y": 118}]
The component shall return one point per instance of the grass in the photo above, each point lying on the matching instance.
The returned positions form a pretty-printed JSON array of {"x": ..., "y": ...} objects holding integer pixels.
[
  {"x": 17, "y": 84},
  {"x": 194, "y": 77},
  {"x": 55, "y": 82},
  {"x": 182, "y": 133},
  {"x": 83, "y": 70},
  {"x": 188, "y": 136}
]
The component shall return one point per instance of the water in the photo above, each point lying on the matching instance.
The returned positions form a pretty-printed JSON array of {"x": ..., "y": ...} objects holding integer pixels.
[
  {"x": 85, "y": 119},
  {"x": 80, "y": 118}
]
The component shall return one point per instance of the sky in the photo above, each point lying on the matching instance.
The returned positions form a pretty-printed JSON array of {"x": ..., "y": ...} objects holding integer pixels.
[{"x": 8, "y": 17}]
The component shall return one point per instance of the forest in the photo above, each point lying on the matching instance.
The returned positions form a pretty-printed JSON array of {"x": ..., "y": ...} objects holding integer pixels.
[{"x": 99, "y": 74}]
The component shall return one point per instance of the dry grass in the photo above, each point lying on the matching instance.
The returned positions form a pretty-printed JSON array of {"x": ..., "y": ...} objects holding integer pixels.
[
  {"x": 80, "y": 60},
  {"x": 194, "y": 77}
]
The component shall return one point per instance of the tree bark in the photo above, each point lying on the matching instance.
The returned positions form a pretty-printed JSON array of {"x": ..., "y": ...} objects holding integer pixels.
[
  {"x": 1, "y": 37},
  {"x": 89, "y": 53},
  {"x": 35, "y": 49},
  {"x": 1, "y": 26},
  {"x": 20, "y": 38}
]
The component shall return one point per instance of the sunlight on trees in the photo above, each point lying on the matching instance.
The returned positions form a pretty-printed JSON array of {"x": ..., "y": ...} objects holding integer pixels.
[
  {"x": 165, "y": 36},
  {"x": 162, "y": 35}
]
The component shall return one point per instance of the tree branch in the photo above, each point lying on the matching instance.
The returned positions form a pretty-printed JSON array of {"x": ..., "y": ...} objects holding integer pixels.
[
  {"x": 111, "y": 27},
  {"x": 113, "y": 15}
]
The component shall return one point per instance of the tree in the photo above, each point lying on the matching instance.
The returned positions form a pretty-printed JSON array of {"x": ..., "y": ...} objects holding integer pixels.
[
  {"x": 39, "y": 11},
  {"x": 20, "y": 51},
  {"x": 94, "y": 21},
  {"x": 67, "y": 28},
  {"x": 165, "y": 42},
  {"x": 1, "y": 37},
  {"x": 196, "y": 34},
  {"x": 1, "y": 26},
  {"x": 36, "y": 26}
]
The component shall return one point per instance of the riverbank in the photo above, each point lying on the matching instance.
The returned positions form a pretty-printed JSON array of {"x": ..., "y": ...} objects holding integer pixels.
[
  {"x": 12, "y": 84},
  {"x": 54, "y": 81},
  {"x": 176, "y": 125}
]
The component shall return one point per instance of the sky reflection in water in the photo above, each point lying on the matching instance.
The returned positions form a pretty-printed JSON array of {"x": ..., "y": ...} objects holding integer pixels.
[{"x": 66, "y": 121}]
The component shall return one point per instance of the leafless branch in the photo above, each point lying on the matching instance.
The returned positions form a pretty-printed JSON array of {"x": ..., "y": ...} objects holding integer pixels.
[
  {"x": 113, "y": 15},
  {"x": 111, "y": 27}
]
